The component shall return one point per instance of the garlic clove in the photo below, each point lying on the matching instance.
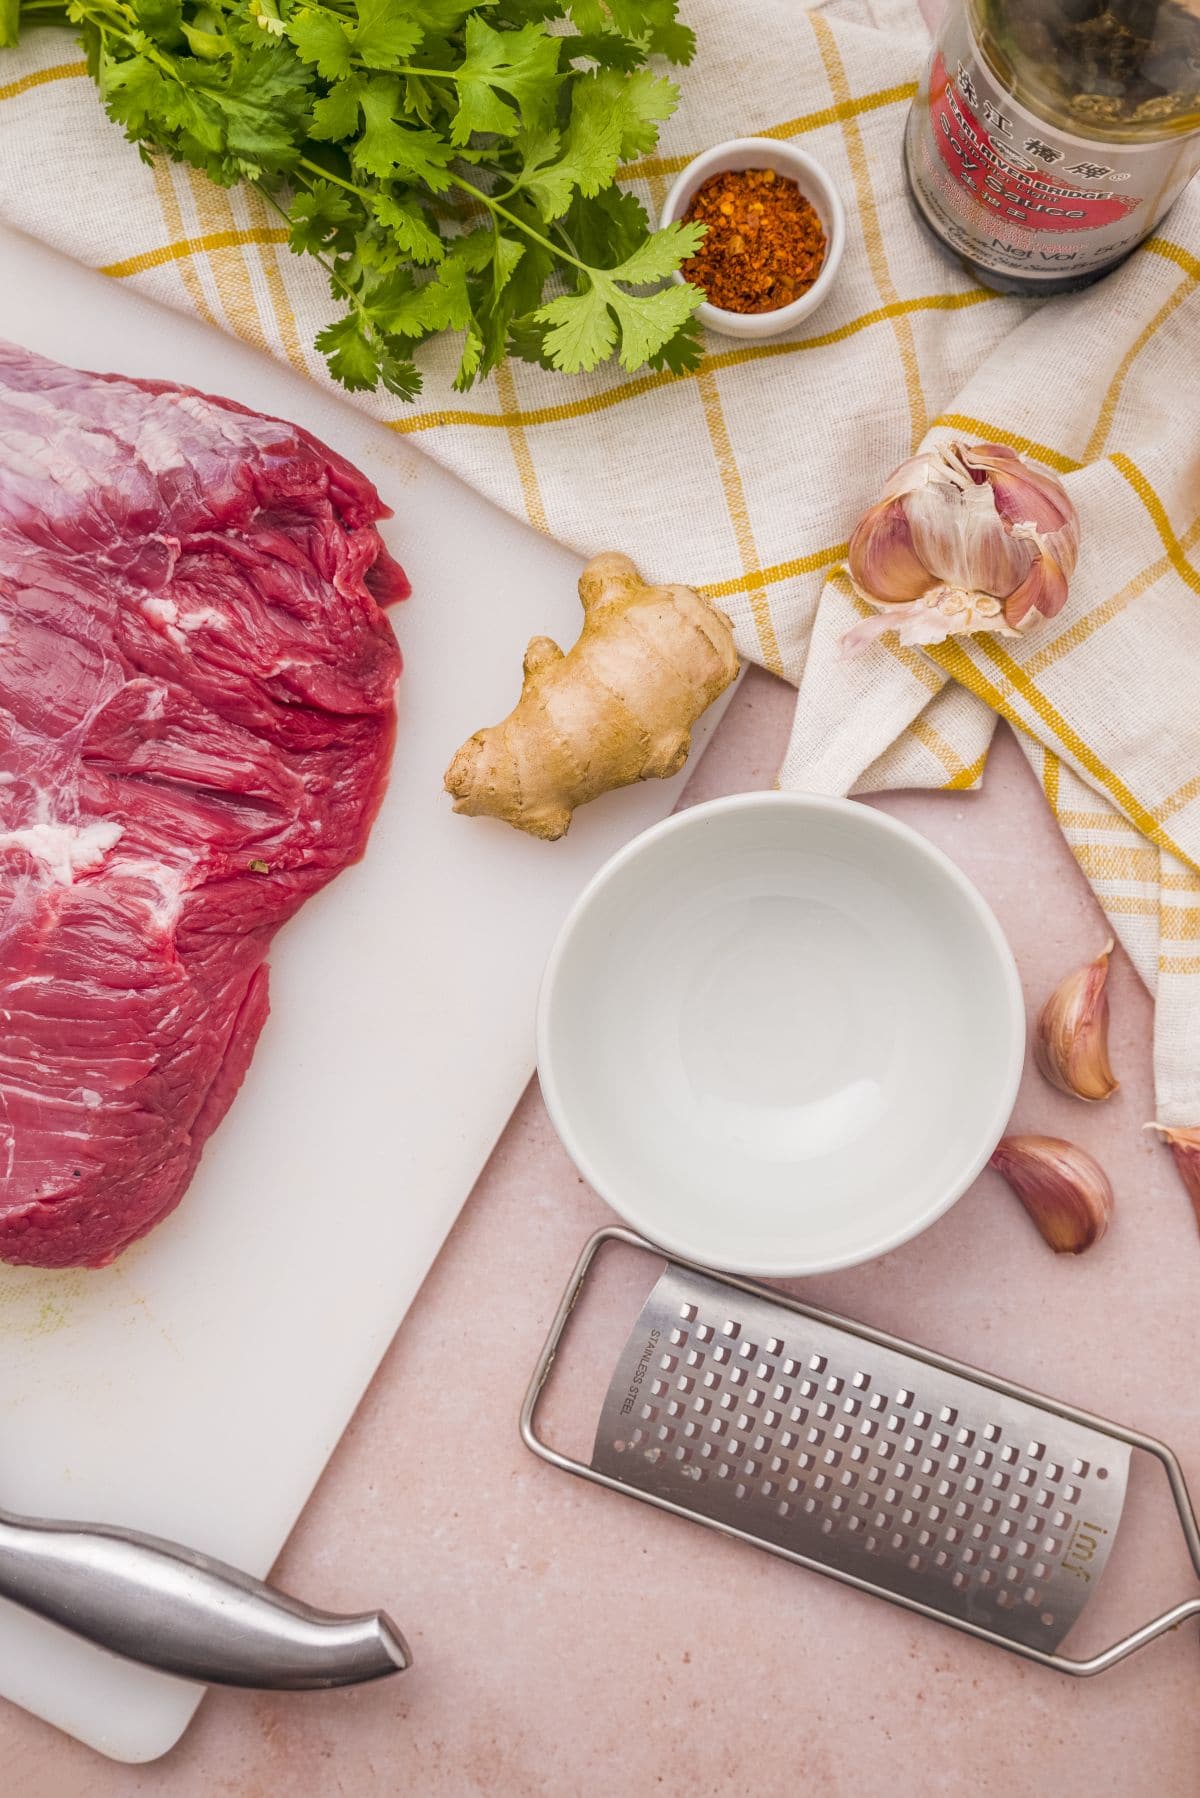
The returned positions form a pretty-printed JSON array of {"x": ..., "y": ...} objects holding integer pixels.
[
  {"x": 1042, "y": 594},
  {"x": 1023, "y": 493},
  {"x": 1184, "y": 1144},
  {"x": 883, "y": 562},
  {"x": 1064, "y": 1189},
  {"x": 1070, "y": 1043}
]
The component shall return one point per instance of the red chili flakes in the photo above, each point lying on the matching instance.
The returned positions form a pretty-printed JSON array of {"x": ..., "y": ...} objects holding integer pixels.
[{"x": 764, "y": 246}]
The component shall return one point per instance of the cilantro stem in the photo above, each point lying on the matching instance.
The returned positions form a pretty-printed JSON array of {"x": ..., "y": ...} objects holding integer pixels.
[
  {"x": 322, "y": 174},
  {"x": 343, "y": 286},
  {"x": 477, "y": 193},
  {"x": 495, "y": 207}
]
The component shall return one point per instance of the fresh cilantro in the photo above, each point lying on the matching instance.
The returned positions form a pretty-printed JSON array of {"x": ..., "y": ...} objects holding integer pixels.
[{"x": 452, "y": 164}]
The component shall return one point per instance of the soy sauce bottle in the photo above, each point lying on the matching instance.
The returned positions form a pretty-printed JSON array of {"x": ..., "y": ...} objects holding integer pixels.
[{"x": 1049, "y": 137}]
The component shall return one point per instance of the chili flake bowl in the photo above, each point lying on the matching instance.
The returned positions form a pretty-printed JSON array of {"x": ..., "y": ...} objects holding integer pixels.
[{"x": 817, "y": 188}]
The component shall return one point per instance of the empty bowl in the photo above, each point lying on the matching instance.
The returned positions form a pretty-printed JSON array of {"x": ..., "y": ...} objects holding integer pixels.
[
  {"x": 818, "y": 189},
  {"x": 780, "y": 1034}
]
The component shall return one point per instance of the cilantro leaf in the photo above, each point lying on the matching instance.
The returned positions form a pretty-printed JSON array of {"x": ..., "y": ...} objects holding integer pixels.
[
  {"x": 321, "y": 39},
  {"x": 660, "y": 254},
  {"x": 398, "y": 374},
  {"x": 674, "y": 41},
  {"x": 523, "y": 63},
  {"x": 651, "y": 23},
  {"x": 607, "y": 228},
  {"x": 608, "y": 48},
  {"x": 681, "y": 354},
  {"x": 527, "y": 341},
  {"x": 350, "y": 353},
  {"x": 649, "y": 321},
  {"x": 383, "y": 38},
  {"x": 386, "y": 147},
  {"x": 320, "y": 219},
  {"x": 398, "y": 306},
  {"x": 404, "y": 220},
  {"x": 582, "y": 330},
  {"x": 612, "y": 116},
  {"x": 472, "y": 357},
  {"x": 505, "y": 257},
  {"x": 644, "y": 100},
  {"x": 335, "y": 114}
]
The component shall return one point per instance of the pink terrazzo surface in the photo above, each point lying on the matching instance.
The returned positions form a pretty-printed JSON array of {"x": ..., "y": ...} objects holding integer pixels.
[{"x": 571, "y": 1642}]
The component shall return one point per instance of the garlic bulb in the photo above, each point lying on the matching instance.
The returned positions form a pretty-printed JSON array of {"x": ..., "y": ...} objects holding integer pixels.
[
  {"x": 1070, "y": 1043},
  {"x": 1064, "y": 1189},
  {"x": 966, "y": 537},
  {"x": 1184, "y": 1144}
]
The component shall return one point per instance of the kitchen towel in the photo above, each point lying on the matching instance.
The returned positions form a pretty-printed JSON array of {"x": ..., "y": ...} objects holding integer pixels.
[{"x": 745, "y": 477}]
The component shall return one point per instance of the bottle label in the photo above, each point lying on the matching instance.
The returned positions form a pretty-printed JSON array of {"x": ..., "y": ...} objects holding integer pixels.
[{"x": 1019, "y": 196}]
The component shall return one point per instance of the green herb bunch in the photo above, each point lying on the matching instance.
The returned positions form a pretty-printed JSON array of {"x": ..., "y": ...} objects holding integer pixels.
[{"x": 451, "y": 165}]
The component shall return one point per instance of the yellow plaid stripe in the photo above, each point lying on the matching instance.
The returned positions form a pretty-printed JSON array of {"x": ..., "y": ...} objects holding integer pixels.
[
  {"x": 1108, "y": 407},
  {"x": 739, "y": 517},
  {"x": 954, "y": 659},
  {"x": 193, "y": 246},
  {"x": 1180, "y": 924},
  {"x": 644, "y": 384},
  {"x": 531, "y": 492},
  {"x": 961, "y": 774},
  {"x": 1175, "y": 802},
  {"x": 966, "y": 777},
  {"x": 656, "y": 167},
  {"x": 1158, "y": 513},
  {"x": 1088, "y": 822},
  {"x": 1117, "y": 861},
  {"x": 776, "y": 572},
  {"x": 860, "y": 171},
  {"x": 1128, "y": 905},
  {"x": 1087, "y": 626},
  {"x": 1179, "y": 964},
  {"x": 61, "y": 71},
  {"x": 1173, "y": 252}
]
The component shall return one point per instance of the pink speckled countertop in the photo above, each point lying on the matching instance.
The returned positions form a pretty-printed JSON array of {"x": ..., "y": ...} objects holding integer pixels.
[{"x": 571, "y": 1642}]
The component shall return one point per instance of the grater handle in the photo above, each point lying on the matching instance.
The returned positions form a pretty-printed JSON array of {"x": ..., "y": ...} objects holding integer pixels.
[{"x": 185, "y": 1613}]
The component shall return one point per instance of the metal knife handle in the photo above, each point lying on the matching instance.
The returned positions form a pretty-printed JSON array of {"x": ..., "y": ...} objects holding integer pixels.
[{"x": 185, "y": 1613}]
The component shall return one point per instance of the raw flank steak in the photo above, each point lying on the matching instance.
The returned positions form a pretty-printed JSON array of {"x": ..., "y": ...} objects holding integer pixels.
[{"x": 197, "y": 707}]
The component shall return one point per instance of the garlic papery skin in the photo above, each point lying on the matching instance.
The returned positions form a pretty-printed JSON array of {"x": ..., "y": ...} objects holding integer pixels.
[
  {"x": 1184, "y": 1144},
  {"x": 1070, "y": 1041},
  {"x": 965, "y": 537},
  {"x": 1064, "y": 1189}
]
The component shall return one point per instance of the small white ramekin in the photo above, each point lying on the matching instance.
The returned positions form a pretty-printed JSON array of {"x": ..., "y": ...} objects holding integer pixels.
[
  {"x": 780, "y": 1033},
  {"x": 818, "y": 190}
]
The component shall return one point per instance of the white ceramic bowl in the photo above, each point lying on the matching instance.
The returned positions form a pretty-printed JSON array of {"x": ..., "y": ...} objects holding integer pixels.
[
  {"x": 780, "y": 1034},
  {"x": 818, "y": 190}
]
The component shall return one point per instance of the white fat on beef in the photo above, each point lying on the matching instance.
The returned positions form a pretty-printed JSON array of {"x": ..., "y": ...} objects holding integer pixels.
[
  {"x": 65, "y": 850},
  {"x": 177, "y": 624}
]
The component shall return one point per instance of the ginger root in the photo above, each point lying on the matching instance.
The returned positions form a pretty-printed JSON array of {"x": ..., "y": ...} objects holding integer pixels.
[{"x": 618, "y": 707}]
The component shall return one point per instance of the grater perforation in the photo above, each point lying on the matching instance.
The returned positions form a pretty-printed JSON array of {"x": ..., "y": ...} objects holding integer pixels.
[
  {"x": 941, "y": 1488},
  {"x": 805, "y": 1442}
]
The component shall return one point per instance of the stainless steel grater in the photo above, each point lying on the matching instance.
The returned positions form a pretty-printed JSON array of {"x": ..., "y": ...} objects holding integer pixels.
[{"x": 945, "y": 1490}]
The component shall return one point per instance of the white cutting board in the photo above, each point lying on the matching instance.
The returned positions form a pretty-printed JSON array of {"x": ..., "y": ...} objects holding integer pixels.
[{"x": 197, "y": 1388}]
